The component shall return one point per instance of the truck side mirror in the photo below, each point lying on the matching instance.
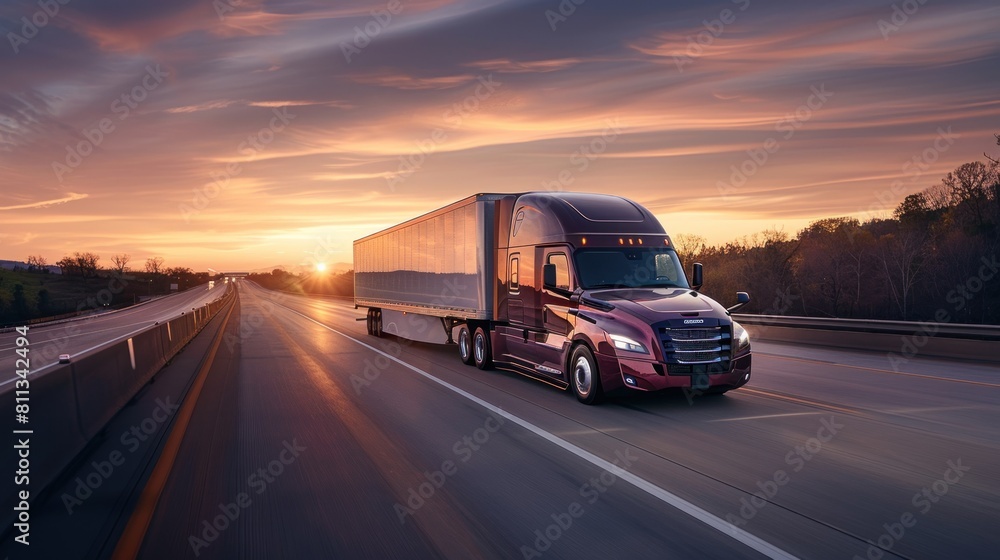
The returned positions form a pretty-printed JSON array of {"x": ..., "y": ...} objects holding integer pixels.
[
  {"x": 549, "y": 276},
  {"x": 742, "y": 298},
  {"x": 697, "y": 277}
]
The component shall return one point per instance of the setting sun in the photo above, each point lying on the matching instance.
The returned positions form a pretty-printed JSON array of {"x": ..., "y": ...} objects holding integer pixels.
[{"x": 320, "y": 267}]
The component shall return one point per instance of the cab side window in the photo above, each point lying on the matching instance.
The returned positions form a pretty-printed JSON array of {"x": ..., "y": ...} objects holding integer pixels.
[
  {"x": 513, "y": 283},
  {"x": 562, "y": 269}
]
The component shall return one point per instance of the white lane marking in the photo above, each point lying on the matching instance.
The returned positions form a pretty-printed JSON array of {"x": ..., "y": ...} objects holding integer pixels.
[
  {"x": 766, "y": 416},
  {"x": 717, "y": 523},
  {"x": 84, "y": 333}
]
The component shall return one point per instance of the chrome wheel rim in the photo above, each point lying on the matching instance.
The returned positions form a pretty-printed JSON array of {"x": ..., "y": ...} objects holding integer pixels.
[
  {"x": 463, "y": 344},
  {"x": 480, "y": 348},
  {"x": 583, "y": 376}
]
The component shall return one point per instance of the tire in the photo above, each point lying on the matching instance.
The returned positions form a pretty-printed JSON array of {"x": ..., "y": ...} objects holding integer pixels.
[
  {"x": 482, "y": 353},
  {"x": 369, "y": 322},
  {"x": 585, "y": 379},
  {"x": 377, "y": 326},
  {"x": 465, "y": 346}
]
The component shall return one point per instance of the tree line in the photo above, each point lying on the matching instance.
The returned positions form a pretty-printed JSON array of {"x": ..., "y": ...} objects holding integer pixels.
[
  {"x": 32, "y": 292},
  {"x": 934, "y": 259}
]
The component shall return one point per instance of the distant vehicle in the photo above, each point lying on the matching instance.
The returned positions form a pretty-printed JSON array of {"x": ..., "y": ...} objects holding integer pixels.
[{"x": 577, "y": 290}]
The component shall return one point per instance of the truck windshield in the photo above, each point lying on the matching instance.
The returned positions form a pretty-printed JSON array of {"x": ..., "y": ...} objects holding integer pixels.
[{"x": 629, "y": 267}]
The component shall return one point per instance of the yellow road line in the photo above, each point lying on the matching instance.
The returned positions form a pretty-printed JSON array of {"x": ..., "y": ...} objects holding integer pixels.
[{"x": 135, "y": 531}]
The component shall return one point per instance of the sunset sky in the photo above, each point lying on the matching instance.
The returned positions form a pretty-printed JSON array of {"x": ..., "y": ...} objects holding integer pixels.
[{"x": 254, "y": 134}]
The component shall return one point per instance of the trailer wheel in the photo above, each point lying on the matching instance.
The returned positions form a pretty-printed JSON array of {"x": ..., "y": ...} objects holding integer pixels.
[
  {"x": 377, "y": 326},
  {"x": 465, "y": 346},
  {"x": 369, "y": 322},
  {"x": 584, "y": 376},
  {"x": 481, "y": 351}
]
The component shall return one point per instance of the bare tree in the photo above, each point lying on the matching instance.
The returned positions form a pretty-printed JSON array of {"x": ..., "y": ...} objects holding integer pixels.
[
  {"x": 154, "y": 265},
  {"x": 991, "y": 158},
  {"x": 826, "y": 265},
  {"x": 68, "y": 265},
  {"x": 970, "y": 184},
  {"x": 688, "y": 246},
  {"x": 121, "y": 263},
  {"x": 87, "y": 263},
  {"x": 902, "y": 255},
  {"x": 938, "y": 197},
  {"x": 37, "y": 262}
]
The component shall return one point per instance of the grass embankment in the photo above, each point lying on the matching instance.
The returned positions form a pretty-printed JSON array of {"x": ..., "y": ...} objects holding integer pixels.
[{"x": 47, "y": 295}]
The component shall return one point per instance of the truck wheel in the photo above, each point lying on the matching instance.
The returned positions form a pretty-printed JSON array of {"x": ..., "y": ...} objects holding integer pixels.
[
  {"x": 369, "y": 322},
  {"x": 465, "y": 346},
  {"x": 377, "y": 323},
  {"x": 481, "y": 351},
  {"x": 584, "y": 376}
]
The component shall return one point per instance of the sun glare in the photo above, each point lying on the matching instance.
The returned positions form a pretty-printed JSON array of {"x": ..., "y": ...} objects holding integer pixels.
[{"x": 320, "y": 267}]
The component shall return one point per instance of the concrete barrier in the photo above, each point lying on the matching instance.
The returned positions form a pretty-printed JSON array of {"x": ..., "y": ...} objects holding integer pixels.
[
  {"x": 105, "y": 382},
  {"x": 149, "y": 353},
  {"x": 180, "y": 332},
  {"x": 56, "y": 440},
  {"x": 72, "y": 403}
]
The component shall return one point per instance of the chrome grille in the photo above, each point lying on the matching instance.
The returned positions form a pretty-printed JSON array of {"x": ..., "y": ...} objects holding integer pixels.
[
  {"x": 699, "y": 345},
  {"x": 694, "y": 350},
  {"x": 694, "y": 334}
]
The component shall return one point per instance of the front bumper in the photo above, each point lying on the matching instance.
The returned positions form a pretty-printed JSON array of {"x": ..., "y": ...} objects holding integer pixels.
[{"x": 648, "y": 375}]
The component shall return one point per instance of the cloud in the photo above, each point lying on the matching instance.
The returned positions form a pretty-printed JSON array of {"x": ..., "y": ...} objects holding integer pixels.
[
  {"x": 70, "y": 197},
  {"x": 226, "y": 103},
  {"x": 356, "y": 122},
  {"x": 404, "y": 82},
  {"x": 518, "y": 67}
]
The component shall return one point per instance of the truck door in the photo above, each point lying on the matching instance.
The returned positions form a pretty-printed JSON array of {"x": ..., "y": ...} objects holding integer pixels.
[
  {"x": 551, "y": 342},
  {"x": 512, "y": 338},
  {"x": 555, "y": 308}
]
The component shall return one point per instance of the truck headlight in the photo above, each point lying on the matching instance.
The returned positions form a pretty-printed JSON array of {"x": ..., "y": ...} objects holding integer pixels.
[
  {"x": 741, "y": 337},
  {"x": 627, "y": 344}
]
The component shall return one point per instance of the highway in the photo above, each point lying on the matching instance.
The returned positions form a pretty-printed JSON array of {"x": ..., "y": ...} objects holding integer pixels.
[
  {"x": 79, "y": 335},
  {"x": 310, "y": 439}
]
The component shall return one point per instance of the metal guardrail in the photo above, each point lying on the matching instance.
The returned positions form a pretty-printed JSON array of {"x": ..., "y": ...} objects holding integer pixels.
[{"x": 904, "y": 328}]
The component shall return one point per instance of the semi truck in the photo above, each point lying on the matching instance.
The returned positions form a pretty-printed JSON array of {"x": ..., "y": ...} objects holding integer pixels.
[{"x": 581, "y": 291}]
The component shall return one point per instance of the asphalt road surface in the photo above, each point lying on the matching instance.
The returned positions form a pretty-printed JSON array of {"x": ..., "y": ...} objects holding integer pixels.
[{"x": 310, "y": 439}]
